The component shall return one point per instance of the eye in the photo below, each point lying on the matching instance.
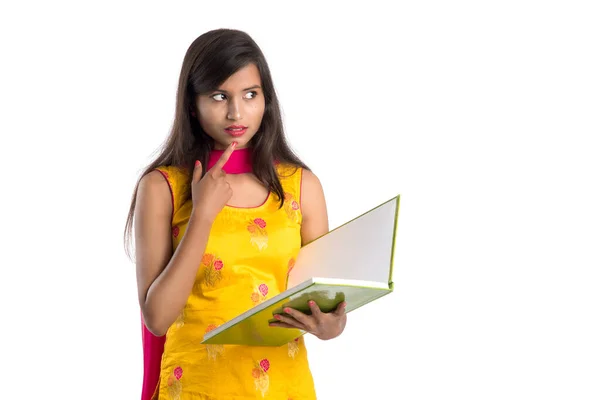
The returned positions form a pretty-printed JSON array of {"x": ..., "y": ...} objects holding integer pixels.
[
  {"x": 251, "y": 95},
  {"x": 216, "y": 97}
]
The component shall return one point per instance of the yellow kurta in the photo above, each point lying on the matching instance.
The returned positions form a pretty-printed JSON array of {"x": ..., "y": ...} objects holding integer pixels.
[{"x": 248, "y": 256}]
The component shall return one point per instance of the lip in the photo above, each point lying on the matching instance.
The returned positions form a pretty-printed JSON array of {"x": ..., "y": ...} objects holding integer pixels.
[{"x": 236, "y": 130}]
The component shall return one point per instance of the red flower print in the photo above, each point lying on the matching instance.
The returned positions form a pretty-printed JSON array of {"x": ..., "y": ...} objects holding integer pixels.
[
  {"x": 175, "y": 231},
  {"x": 258, "y": 234},
  {"x": 264, "y": 289},
  {"x": 211, "y": 327},
  {"x": 292, "y": 208},
  {"x": 261, "y": 377},
  {"x": 265, "y": 364},
  {"x": 212, "y": 269},
  {"x": 178, "y": 372},
  {"x": 174, "y": 385}
]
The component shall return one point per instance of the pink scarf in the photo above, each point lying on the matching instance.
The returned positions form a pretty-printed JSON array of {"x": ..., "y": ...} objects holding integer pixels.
[{"x": 240, "y": 162}]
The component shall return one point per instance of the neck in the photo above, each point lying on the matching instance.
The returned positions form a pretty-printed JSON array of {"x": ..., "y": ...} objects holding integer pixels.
[{"x": 240, "y": 161}]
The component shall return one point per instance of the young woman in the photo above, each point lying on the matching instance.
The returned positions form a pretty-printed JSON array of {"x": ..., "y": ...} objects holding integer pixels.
[{"x": 219, "y": 218}]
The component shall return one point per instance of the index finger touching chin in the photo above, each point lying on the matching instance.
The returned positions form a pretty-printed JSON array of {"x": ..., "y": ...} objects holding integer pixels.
[{"x": 225, "y": 156}]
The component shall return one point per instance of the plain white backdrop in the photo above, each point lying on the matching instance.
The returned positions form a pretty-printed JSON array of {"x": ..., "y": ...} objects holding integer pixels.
[{"x": 484, "y": 116}]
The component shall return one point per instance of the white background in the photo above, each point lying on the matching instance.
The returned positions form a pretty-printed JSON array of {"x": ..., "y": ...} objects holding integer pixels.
[{"x": 483, "y": 115}]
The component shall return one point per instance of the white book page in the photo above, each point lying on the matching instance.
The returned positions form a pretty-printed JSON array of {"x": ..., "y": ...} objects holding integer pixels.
[{"x": 358, "y": 250}]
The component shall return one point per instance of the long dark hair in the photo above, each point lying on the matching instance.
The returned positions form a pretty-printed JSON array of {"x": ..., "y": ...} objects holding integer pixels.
[{"x": 209, "y": 61}]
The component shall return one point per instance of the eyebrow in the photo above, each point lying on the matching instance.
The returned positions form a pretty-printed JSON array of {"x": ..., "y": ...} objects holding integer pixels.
[{"x": 244, "y": 90}]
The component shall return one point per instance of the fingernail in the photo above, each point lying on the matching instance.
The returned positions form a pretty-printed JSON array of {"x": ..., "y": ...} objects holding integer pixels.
[
  {"x": 277, "y": 316},
  {"x": 197, "y": 163},
  {"x": 312, "y": 303},
  {"x": 234, "y": 144},
  {"x": 287, "y": 310}
]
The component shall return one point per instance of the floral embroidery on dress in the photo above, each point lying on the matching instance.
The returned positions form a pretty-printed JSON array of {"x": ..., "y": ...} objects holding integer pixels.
[
  {"x": 213, "y": 350},
  {"x": 260, "y": 294},
  {"x": 175, "y": 231},
  {"x": 291, "y": 206},
  {"x": 258, "y": 233},
  {"x": 174, "y": 384},
  {"x": 293, "y": 348},
  {"x": 260, "y": 375},
  {"x": 212, "y": 269},
  {"x": 291, "y": 265},
  {"x": 180, "y": 321}
]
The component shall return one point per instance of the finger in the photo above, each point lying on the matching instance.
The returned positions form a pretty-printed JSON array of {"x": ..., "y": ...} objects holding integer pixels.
[
  {"x": 315, "y": 309},
  {"x": 225, "y": 156},
  {"x": 218, "y": 173},
  {"x": 197, "y": 171},
  {"x": 289, "y": 321},
  {"x": 299, "y": 316},
  {"x": 341, "y": 309}
]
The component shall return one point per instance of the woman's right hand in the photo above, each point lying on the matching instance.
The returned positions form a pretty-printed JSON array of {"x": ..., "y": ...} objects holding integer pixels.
[{"x": 211, "y": 193}]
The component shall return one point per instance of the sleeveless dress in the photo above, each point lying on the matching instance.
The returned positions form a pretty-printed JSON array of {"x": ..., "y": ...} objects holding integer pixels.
[{"x": 248, "y": 256}]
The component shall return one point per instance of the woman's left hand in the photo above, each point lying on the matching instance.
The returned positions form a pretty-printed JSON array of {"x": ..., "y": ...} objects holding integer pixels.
[{"x": 325, "y": 326}]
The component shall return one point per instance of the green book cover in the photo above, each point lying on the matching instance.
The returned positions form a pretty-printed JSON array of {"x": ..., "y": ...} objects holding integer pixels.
[{"x": 352, "y": 263}]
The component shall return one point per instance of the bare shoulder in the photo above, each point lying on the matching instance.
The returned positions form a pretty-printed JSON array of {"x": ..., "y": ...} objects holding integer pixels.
[
  {"x": 152, "y": 222},
  {"x": 311, "y": 186},
  {"x": 314, "y": 207},
  {"x": 154, "y": 179},
  {"x": 310, "y": 181},
  {"x": 154, "y": 188},
  {"x": 153, "y": 204}
]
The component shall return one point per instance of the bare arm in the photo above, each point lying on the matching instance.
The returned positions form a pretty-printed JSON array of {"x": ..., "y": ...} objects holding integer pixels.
[
  {"x": 315, "y": 221},
  {"x": 164, "y": 278}
]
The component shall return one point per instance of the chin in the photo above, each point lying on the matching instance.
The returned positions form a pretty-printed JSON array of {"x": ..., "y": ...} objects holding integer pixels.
[
  {"x": 222, "y": 141},
  {"x": 242, "y": 144},
  {"x": 243, "y": 141}
]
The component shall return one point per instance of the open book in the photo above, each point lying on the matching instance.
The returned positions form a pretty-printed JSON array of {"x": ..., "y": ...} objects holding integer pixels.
[{"x": 351, "y": 263}]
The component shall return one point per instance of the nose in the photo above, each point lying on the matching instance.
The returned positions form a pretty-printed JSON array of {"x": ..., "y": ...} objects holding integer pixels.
[{"x": 233, "y": 111}]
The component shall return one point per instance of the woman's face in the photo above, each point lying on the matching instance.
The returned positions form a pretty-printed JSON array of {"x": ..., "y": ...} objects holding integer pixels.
[{"x": 233, "y": 112}]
